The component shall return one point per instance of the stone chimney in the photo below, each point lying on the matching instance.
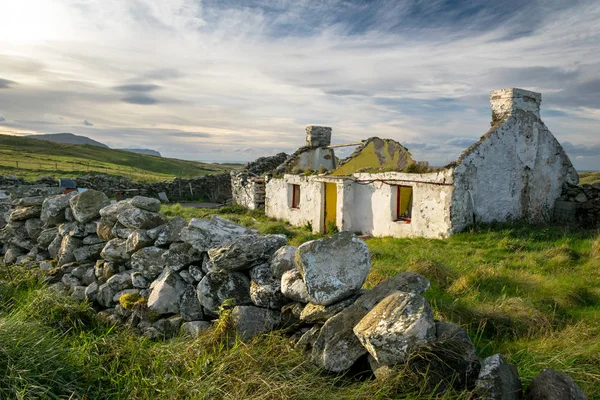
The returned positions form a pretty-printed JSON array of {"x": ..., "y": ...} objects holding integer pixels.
[
  {"x": 505, "y": 101},
  {"x": 318, "y": 136}
]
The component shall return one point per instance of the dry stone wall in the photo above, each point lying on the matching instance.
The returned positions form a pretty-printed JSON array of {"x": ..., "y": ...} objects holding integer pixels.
[
  {"x": 579, "y": 205},
  {"x": 163, "y": 277}
]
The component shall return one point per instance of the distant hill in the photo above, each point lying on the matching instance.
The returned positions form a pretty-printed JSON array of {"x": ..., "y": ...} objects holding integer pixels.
[
  {"x": 144, "y": 151},
  {"x": 68, "y": 138},
  {"x": 32, "y": 158}
]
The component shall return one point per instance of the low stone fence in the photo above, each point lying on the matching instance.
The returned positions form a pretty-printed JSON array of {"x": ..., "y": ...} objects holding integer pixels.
[
  {"x": 165, "y": 276},
  {"x": 579, "y": 205}
]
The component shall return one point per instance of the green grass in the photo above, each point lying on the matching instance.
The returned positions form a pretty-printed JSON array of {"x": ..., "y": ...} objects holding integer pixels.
[
  {"x": 589, "y": 178},
  {"x": 36, "y": 158},
  {"x": 531, "y": 293}
]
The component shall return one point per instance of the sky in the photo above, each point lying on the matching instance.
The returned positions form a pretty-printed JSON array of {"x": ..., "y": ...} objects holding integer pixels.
[{"x": 233, "y": 80}]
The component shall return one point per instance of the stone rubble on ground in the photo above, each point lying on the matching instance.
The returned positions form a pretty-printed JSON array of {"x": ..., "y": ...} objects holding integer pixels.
[{"x": 164, "y": 276}]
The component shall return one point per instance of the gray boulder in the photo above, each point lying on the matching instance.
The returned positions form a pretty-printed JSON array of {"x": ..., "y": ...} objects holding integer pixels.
[
  {"x": 12, "y": 254},
  {"x": 218, "y": 286},
  {"x": 553, "y": 385},
  {"x": 92, "y": 239},
  {"x": 330, "y": 278},
  {"x": 86, "y": 206},
  {"x": 46, "y": 237},
  {"x": 148, "y": 261},
  {"x": 34, "y": 228},
  {"x": 337, "y": 348},
  {"x": 65, "y": 254},
  {"x": 166, "y": 292},
  {"x": 88, "y": 253},
  {"x": 196, "y": 272},
  {"x": 498, "y": 380},
  {"x": 190, "y": 308},
  {"x": 115, "y": 250},
  {"x": 53, "y": 209},
  {"x": 318, "y": 314},
  {"x": 25, "y": 213},
  {"x": 246, "y": 251},
  {"x": 54, "y": 246},
  {"x": 146, "y": 203},
  {"x": 265, "y": 288},
  {"x": 283, "y": 260},
  {"x": 138, "y": 240},
  {"x": 169, "y": 232},
  {"x": 195, "y": 328},
  {"x": 396, "y": 326},
  {"x": 28, "y": 201},
  {"x": 120, "y": 231},
  {"x": 104, "y": 230},
  {"x": 293, "y": 287},
  {"x": 138, "y": 280},
  {"x": 136, "y": 218},
  {"x": 108, "y": 291},
  {"x": 91, "y": 292},
  {"x": 251, "y": 321},
  {"x": 181, "y": 255},
  {"x": 111, "y": 212},
  {"x": 206, "y": 234}
]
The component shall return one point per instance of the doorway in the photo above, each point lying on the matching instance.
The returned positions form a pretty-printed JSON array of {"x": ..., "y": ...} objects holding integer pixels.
[{"x": 330, "y": 207}]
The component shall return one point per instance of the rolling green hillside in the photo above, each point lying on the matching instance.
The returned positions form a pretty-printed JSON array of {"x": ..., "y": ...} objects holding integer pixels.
[
  {"x": 31, "y": 158},
  {"x": 589, "y": 178}
]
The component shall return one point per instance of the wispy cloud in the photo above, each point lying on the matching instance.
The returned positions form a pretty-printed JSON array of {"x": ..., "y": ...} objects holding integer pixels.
[
  {"x": 87, "y": 123},
  {"x": 251, "y": 74}
]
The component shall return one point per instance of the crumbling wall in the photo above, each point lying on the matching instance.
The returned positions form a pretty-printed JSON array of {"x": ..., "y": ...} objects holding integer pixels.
[
  {"x": 515, "y": 172},
  {"x": 376, "y": 155},
  {"x": 248, "y": 191},
  {"x": 579, "y": 205}
]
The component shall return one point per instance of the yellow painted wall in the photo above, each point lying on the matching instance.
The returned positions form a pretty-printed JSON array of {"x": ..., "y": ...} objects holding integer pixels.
[
  {"x": 405, "y": 199},
  {"x": 330, "y": 203}
]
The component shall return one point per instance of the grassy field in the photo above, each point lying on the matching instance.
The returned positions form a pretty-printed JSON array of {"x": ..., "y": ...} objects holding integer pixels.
[
  {"x": 589, "y": 178},
  {"x": 32, "y": 158},
  {"x": 531, "y": 293}
]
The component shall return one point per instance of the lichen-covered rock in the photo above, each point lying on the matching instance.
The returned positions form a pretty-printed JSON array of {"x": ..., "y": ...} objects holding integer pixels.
[
  {"x": 120, "y": 231},
  {"x": 293, "y": 287},
  {"x": 190, "y": 308},
  {"x": 136, "y": 218},
  {"x": 218, "y": 286},
  {"x": 86, "y": 206},
  {"x": 283, "y": 260},
  {"x": 54, "y": 246},
  {"x": 138, "y": 280},
  {"x": 265, "y": 288},
  {"x": 138, "y": 240},
  {"x": 104, "y": 230},
  {"x": 318, "y": 314},
  {"x": 195, "y": 328},
  {"x": 114, "y": 284},
  {"x": 146, "y": 203},
  {"x": 148, "y": 261},
  {"x": 33, "y": 227},
  {"x": 115, "y": 250},
  {"x": 88, "y": 253},
  {"x": 196, "y": 272},
  {"x": 92, "y": 239},
  {"x": 246, "y": 251},
  {"x": 12, "y": 253},
  {"x": 330, "y": 278},
  {"x": 28, "y": 201},
  {"x": 251, "y": 321},
  {"x": 169, "y": 232},
  {"x": 111, "y": 212},
  {"x": 337, "y": 348},
  {"x": 553, "y": 385},
  {"x": 396, "y": 326},
  {"x": 53, "y": 209},
  {"x": 46, "y": 237},
  {"x": 308, "y": 339},
  {"x": 78, "y": 293},
  {"x": 181, "y": 255},
  {"x": 498, "y": 380},
  {"x": 166, "y": 292},
  {"x": 91, "y": 292},
  {"x": 65, "y": 254},
  {"x": 205, "y": 234},
  {"x": 186, "y": 276},
  {"x": 25, "y": 213}
]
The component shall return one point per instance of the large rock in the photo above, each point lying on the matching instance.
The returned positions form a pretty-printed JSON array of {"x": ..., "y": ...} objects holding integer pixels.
[
  {"x": 498, "y": 380},
  {"x": 25, "y": 213},
  {"x": 104, "y": 230},
  {"x": 65, "y": 254},
  {"x": 337, "y": 347},
  {"x": 333, "y": 268},
  {"x": 190, "y": 308},
  {"x": 107, "y": 291},
  {"x": 136, "y": 218},
  {"x": 168, "y": 233},
  {"x": 146, "y": 203},
  {"x": 53, "y": 209},
  {"x": 34, "y": 228},
  {"x": 218, "y": 286},
  {"x": 293, "y": 287},
  {"x": 28, "y": 201},
  {"x": 115, "y": 250},
  {"x": 553, "y": 385},
  {"x": 54, "y": 246},
  {"x": 318, "y": 314},
  {"x": 166, "y": 292},
  {"x": 251, "y": 321},
  {"x": 12, "y": 254},
  {"x": 138, "y": 240},
  {"x": 88, "y": 253},
  {"x": 111, "y": 213},
  {"x": 265, "y": 288},
  {"x": 148, "y": 261},
  {"x": 181, "y": 255},
  {"x": 283, "y": 260},
  {"x": 46, "y": 237},
  {"x": 396, "y": 326},
  {"x": 246, "y": 251},
  {"x": 86, "y": 206},
  {"x": 121, "y": 231},
  {"x": 205, "y": 234}
]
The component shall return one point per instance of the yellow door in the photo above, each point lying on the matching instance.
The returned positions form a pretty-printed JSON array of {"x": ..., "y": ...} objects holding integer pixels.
[{"x": 330, "y": 206}]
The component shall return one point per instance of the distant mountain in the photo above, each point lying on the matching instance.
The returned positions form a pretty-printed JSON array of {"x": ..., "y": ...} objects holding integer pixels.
[
  {"x": 67, "y": 138},
  {"x": 144, "y": 151}
]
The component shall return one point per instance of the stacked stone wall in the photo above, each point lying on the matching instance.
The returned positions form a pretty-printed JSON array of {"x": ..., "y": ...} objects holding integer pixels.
[{"x": 579, "y": 205}]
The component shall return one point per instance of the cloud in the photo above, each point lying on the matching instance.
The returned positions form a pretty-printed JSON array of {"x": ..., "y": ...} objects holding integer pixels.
[
  {"x": 138, "y": 88},
  {"x": 461, "y": 142},
  {"x": 140, "y": 99},
  {"x": 2, "y": 119},
  {"x": 582, "y": 150},
  {"x": 87, "y": 123},
  {"x": 5, "y": 83}
]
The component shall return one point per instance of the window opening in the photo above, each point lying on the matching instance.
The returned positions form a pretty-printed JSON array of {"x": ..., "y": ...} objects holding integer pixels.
[{"x": 404, "y": 203}]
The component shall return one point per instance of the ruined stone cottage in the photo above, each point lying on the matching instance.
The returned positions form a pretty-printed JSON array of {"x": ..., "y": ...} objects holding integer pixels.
[{"x": 516, "y": 171}]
